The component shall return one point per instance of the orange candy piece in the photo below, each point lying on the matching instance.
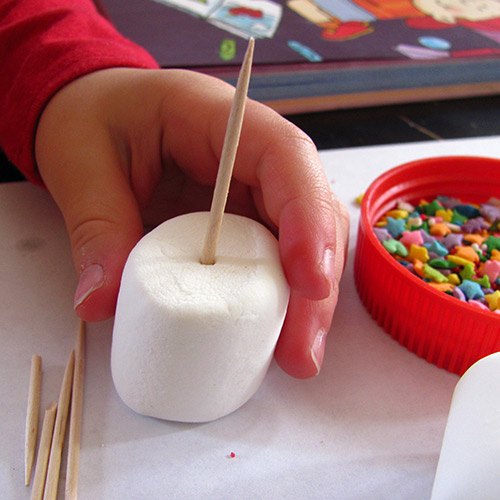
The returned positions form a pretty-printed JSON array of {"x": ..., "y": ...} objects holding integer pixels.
[
  {"x": 442, "y": 287},
  {"x": 418, "y": 265},
  {"x": 495, "y": 254},
  {"x": 439, "y": 229},
  {"x": 474, "y": 238},
  {"x": 467, "y": 253}
]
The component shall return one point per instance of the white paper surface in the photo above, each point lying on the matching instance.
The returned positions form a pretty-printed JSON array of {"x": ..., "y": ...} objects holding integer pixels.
[{"x": 369, "y": 426}]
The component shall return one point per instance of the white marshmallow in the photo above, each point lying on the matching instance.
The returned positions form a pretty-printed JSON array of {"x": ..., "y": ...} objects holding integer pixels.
[
  {"x": 193, "y": 342},
  {"x": 469, "y": 463}
]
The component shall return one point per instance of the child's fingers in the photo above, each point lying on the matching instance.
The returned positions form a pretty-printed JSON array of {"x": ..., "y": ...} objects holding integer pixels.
[
  {"x": 82, "y": 170},
  {"x": 291, "y": 191},
  {"x": 301, "y": 345}
]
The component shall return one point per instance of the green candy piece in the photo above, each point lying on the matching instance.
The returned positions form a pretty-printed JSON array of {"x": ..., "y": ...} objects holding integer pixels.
[
  {"x": 442, "y": 263},
  {"x": 484, "y": 281},
  {"x": 434, "y": 274},
  {"x": 467, "y": 272},
  {"x": 493, "y": 243},
  {"x": 395, "y": 247},
  {"x": 458, "y": 218},
  {"x": 431, "y": 208}
]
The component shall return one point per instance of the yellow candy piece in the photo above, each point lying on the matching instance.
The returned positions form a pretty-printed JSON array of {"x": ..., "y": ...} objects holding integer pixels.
[
  {"x": 460, "y": 261},
  {"x": 446, "y": 215},
  {"x": 397, "y": 214},
  {"x": 493, "y": 300},
  {"x": 359, "y": 198},
  {"x": 454, "y": 279},
  {"x": 419, "y": 253}
]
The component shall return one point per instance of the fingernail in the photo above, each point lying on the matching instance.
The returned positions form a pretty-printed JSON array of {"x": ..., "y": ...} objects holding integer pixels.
[
  {"x": 91, "y": 279},
  {"x": 328, "y": 266},
  {"x": 318, "y": 349}
]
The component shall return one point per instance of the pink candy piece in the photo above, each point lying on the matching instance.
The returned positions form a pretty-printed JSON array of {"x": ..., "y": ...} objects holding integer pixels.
[
  {"x": 478, "y": 304},
  {"x": 412, "y": 238},
  {"x": 491, "y": 269}
]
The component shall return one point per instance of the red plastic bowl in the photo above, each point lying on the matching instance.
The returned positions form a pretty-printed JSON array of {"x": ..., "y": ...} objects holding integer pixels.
[{"x": 439, "y": 328}]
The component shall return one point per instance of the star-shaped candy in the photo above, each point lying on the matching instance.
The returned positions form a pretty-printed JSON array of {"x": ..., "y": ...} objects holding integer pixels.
[
  {"x": 453, "y": 240},
  {"x": 395, "y": 226},
  {"x": 471, "y": 290}
]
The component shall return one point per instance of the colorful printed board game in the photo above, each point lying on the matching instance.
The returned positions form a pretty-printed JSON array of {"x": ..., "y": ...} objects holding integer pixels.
[{"x": 328, "y": 52}]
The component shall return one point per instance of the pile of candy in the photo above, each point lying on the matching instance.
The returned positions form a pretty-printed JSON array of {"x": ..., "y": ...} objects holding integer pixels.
[{"x": 453, "y": 246}]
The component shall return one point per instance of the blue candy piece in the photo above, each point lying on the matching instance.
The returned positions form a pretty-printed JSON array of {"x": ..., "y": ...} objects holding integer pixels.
[
  {"x": 437, "y": 248},
  {"x": 471, "y": 289},
  {"x": 395, "y": 226},
  {"x": 468, "y": 211}
]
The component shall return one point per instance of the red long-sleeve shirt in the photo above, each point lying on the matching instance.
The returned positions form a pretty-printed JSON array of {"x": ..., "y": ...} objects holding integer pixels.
[{"x": 45, "y": 44}]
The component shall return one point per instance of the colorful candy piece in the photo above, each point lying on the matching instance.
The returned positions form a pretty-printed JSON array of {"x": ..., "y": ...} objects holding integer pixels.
[
  {"x": 452, "y": 240},
  {"x": 395, "y": 226},
  {"x": 434, "y": 274},
  {"x": 471, "y": 290},
  {"x": 404, "y": 205},
  {"x": 409, "y": 238},
  {"x": 475, "y": 225},
  {"x": 419, "y": 253},
  {"x": 467, "y": 253},
  {"x": 493, "y": 300},
  {"x": 489, "y": 212},
  {"x": 491, "y": 268},
  {"x": 440, "y": 229},
  {"x": 431, "y": 208},
  {"x": 444, "y": 214},
  {"x": 395, "y": 247},
  {"x": 382, "y": 234},
  {"x": 437, "y": 248},
  {"x": 397, "y": 214},
  {"x": 478, "y": 304}
]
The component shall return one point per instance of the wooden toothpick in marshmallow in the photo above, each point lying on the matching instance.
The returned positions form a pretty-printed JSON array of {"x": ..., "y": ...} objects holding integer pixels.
[{"x": 227, "y": 159}]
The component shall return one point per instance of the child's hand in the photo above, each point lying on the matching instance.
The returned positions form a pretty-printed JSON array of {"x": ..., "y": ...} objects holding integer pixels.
[{"x": 122, "y": 147}]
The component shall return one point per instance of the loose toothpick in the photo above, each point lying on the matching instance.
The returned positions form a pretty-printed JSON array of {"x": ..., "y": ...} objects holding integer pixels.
[
  {"x": 32, "y": 416},
  {"x": 59, "y": 431},
  {"x": 228, "y": 156},
  {"x": 75, "y": 423},
  {"x": 42, "y": 458}
]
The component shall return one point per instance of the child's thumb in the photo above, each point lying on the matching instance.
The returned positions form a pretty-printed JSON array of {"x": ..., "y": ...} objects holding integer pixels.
[
  {"x": 103, "y": 221},
  {"x": 103, "y": 229}
]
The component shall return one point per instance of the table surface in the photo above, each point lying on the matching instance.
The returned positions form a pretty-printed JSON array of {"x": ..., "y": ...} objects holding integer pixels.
[{"x": 368, "y": 427}]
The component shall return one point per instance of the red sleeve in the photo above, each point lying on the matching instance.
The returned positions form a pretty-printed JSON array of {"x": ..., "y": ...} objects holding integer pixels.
[{"x": 45, "y": 44}]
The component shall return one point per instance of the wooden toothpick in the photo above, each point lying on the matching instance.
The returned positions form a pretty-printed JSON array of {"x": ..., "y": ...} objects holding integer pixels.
[
  {"x": 42, "y": 458},
  {"x": 32, "y": 416},
  {"x": 228, "y": 156},
  {"x": 75, "y": 422},
  {"x": 55, "y": 457}
]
